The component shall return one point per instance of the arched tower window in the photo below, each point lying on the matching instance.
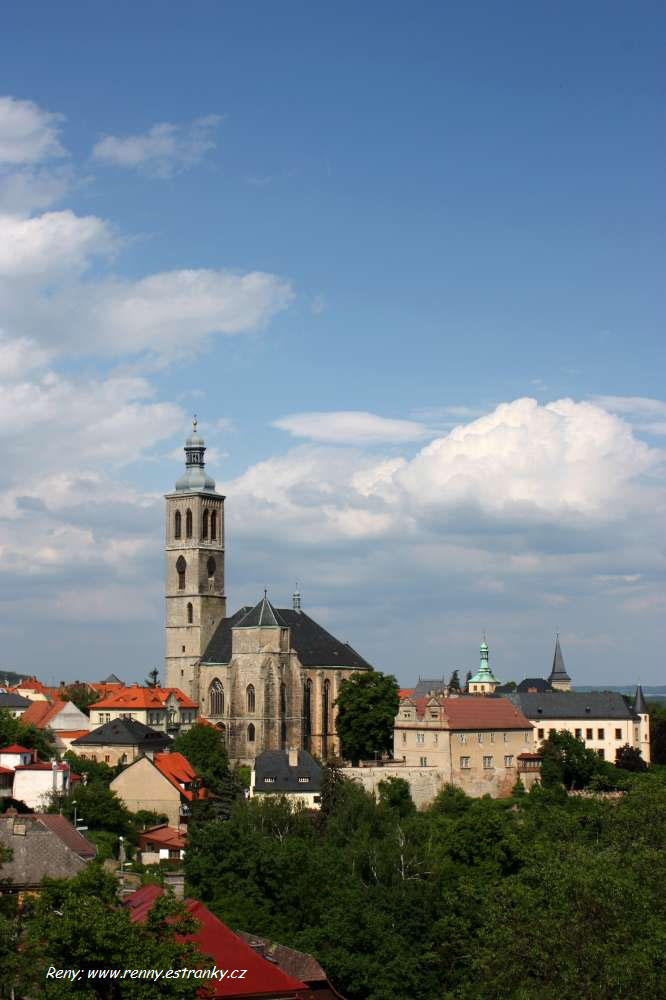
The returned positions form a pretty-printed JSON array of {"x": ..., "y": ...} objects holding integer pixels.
[
  {"x": 283, "y": 699},
  {"x": 250, "y": 733},
  {"x": 216, "y": 698},
  {"x": 210, "y": 567},
  {"x": 325, "y": 704},
  {"x": 213, "y": 525},
  {"x": 204, "y": 524},
  {"x": 249, "y": 697},
  {"x": 188, "y": 523},
  {"x": 283, "y": 735},
  {"x": 307, "y": 714},
  {"x": 190, "y": 613},
  {"x": 181, "y": 566},
  {"x": 177, "y": 524}
]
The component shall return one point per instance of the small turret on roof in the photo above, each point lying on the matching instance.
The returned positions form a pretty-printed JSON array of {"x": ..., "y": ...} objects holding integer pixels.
[
  {"x": 483, "y": 681},
  {"x": 559, "y": 678},
  {"x": 640, "y": 705}
]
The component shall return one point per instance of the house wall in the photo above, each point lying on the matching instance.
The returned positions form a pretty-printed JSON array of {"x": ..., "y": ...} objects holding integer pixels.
[
  {"x": 616, "y": 732},
  {"x": 70, "y": 718},
  {"x": 35, "y": 787},
  {"x": 142, "y": 786},
  {"x": 108, "y": 754}
]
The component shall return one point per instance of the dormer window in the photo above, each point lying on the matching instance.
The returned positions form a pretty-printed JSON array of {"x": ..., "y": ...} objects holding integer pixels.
[{"x": 303, "y": 781}]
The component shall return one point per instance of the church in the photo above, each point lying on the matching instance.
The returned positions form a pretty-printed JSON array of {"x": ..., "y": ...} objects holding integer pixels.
[{"x": 267, "y": 677}]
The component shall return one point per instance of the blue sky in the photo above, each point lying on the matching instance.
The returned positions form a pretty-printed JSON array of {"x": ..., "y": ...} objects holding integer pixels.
[{"x": 355, "y": 239}]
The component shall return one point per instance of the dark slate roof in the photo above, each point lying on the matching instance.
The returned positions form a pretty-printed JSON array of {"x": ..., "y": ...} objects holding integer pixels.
[
  {"x": 572, "y": 705},
  {"x": 111, "y": 679},
  {"x": 426, "y": 687},
  {"x": 538, "y": 683},
  {"x": 10, "y": 700},
  {"x": 124, "y": 732},
  {"x": 262, "y": 615},
  {"x": 37, "y": 850},
  {"x": 314, "y": 645},
  {"x": 558, "y": 672},
  {"x": 640, "y": 707},
  {"x": 275, "y": 764}
]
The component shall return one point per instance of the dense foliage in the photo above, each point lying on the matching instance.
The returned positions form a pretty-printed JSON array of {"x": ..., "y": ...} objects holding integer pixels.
[
  {"x": 78, "y": 924},
  {"x": 203, "y": 747},
  {"x": 14, "y": 731},
  {"x": 544, "y": 895},
  {"x": 367, "y": 706}
]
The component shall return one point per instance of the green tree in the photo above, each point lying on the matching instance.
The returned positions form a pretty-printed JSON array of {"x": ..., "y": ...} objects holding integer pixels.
[
  {"x": 657, "y": 733},
  {"x": 14, "y": 731},
  {"x": 454, "y": 681},
  {"x": 367, "y": 705},
  {"x": 630, "y": 759},
  {"x": 81, "y": 695},
  {"x": 100, "y": 808},
  {"x": 78, "y": 924},
  {"x": 468, "y": 677},
  {"x": 203, "y": 746},
  {"x": 92, "y": 770},
  {"x": 567, "y": 760},
  {"x": 395, "y": 795}
]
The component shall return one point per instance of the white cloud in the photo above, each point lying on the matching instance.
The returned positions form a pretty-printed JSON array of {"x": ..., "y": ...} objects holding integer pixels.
[
  {"x": 20, "y": 356},
  {"x": 28, "y": 134},
  {"x": 50, "y": 243},
  {"x": 163, "y": 150},
  {"x": 642, "y": 406},
  {"x": 351, "y": 427},
  {"x": 26, "y": 190}
]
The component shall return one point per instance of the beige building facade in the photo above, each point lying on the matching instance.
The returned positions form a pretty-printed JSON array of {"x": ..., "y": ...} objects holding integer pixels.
[
  {"x": 474, "y": 743},
  {"x": 165, "y": 784}
]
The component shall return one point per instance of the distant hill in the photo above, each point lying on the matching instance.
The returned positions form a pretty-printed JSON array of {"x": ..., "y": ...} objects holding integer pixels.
[{"x": 655, "y": 689}]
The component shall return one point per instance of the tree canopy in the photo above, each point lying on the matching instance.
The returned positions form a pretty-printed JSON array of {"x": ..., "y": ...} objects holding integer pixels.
[
  {"x": 25, "y": 734},
  {"x": 367, "y": 705}
]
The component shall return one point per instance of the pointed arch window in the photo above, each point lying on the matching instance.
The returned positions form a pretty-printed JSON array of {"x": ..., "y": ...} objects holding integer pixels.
[
  {"x": 181, "y": 566},
  {"x": 283, "y": 699},
  {"x": 190, "y": 613},
  {"x": 307, "y": 714},
  {"x": 216, "y": 698},
  {"x": 283, "y": 735},
  {"x": 188, "y": 523},
  {"x": 210, "y": 567},
  {"x": 250, "y": 700},
  {"x": 204, "y": 524},
  {"x": 250, "y": 733},
  {"x": 213, "y": 526},
  {"x": 325, "y": 708},
  {"x": 177, "y": 524}
]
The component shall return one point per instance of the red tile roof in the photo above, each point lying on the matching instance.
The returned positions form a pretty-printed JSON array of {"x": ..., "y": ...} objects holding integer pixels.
[
  {"x": 178, "y": 770},
  {"x": 6, "y": 770},
  {"x": 165, "y": 836},
  {"x": 405, "y": 693},
  {"x": 470, "y": 712},
  {"x": 40, "y": 713},
  {"x": 143, "y": 697},
  {"x": 14, "y": 748},
  {"x": 226, "y": 950},
  {"x": 41, "y": 765},
  {"x": 71, "y": 734}
]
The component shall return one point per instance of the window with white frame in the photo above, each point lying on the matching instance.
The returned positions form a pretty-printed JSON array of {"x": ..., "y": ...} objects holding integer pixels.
[
  {"x": 424, "y": 762},
  {"x": 464, "y": 763},
  {"x": 505, "y": 736},
  {"x": 479, "y": 737},
  {"x": 508, "y": 761},
  {"x": 462, "y": 737},
  {"x": 435, "y": 737},
  {"x": 420, "y": 737},
  {"x": 404, "y": 736},
  {"x": 492, "y": 737},
  {"x": 487, "y": 763}
]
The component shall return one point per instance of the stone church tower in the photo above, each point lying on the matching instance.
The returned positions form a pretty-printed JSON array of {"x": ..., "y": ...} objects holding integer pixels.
[
  {"x": 194, "y": 572},
  {"x": 267, "y": 677}
]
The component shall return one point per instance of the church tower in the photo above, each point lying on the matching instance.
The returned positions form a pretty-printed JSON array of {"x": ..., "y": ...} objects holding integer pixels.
[{"x": 194, "y": 576}]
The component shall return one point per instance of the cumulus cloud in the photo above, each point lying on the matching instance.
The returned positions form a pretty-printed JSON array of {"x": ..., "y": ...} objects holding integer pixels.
[
  {"x": 567, "y": 465},
  {"x": 351, "y": 427},
  {"x": 162, "y": 151},
  {"x": 51, "y": 243},
  {"x": 646, "y": 414},
  {"x": 28, "y": 134}
]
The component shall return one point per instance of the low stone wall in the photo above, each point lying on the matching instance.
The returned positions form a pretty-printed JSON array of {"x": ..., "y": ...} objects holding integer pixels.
[{"x": 425, "y": 782}]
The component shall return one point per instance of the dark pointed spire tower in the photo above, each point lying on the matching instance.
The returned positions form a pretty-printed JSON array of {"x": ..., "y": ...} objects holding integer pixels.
[
  {"x": 194, "y": 577},
  {"x": 642, "y": 724},
  {"x": 559, "y": 679}
]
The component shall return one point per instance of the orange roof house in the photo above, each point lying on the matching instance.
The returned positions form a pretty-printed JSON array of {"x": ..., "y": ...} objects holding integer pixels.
[
  {"x": 166, "y": 784},
  {"x": 66, "y": 720},
  {"x": 165, "y": 709}
]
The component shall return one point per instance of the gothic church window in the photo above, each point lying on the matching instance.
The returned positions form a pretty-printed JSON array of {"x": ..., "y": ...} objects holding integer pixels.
[
  {"x": 176, "y": 524},
  {"x": 204, "y": 527},
  {"x": 181, "y": 566},
  {"x": 190, "y": 613},
  {"x": 250, "y": 733},
  {"x": 216, "y": 698},
  {"x": 213, "y": 525},
  {"x": 325, "y": 702},
  {"x": 307, "y": 714},
  {"x": 250, "y": 699},
  {"x": 283, "y": 699},
  {"x": 188, "y": 523}
]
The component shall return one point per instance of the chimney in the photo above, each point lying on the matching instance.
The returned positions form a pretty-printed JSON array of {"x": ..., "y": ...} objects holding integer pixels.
[
  {"x": 293, "y": 757},
  {"x": 175, "y": 881}
]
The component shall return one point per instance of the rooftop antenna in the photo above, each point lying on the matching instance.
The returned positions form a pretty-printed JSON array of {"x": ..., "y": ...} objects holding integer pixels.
[{"x": 296, "y": 599}]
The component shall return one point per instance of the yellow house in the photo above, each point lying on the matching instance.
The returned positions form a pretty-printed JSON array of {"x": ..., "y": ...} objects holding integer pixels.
[{"x": 165, "y": 784}]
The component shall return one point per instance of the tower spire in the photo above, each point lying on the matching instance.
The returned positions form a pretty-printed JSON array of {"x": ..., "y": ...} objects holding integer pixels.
[{"x": 194, "y": 479}]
